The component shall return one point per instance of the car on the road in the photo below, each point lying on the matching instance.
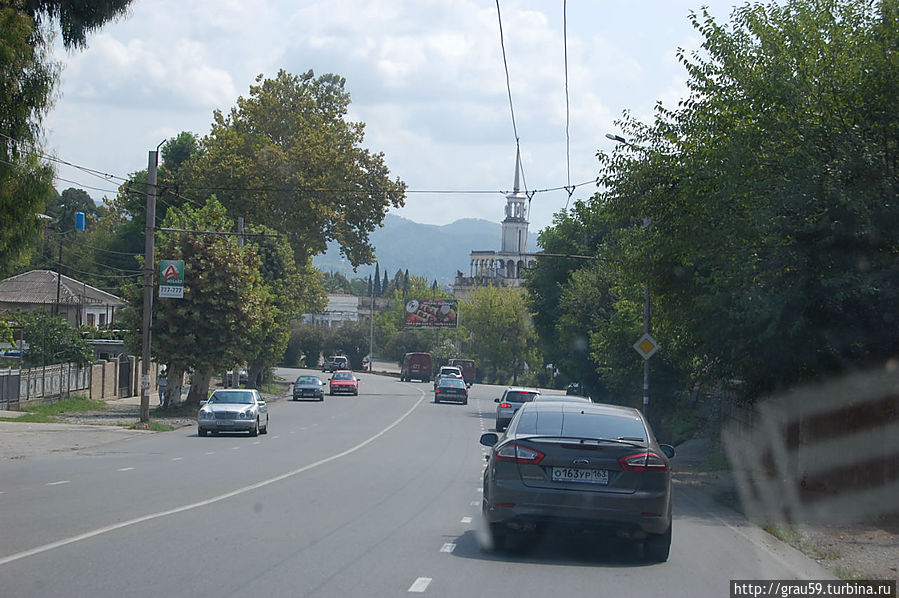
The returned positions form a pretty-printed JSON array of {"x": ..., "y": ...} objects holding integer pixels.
[
  {"x": 233, "y": 410},
  {"x": 343, "y": 381},
  {"x": 447, "y": 371},
  {"x": 451, "y": 389},
  {"x": 513, "y": 398},
  {"x": 310, "y": 387},
  {"x": 595, "y": 468},
  {"x": 336, "y": 362}
]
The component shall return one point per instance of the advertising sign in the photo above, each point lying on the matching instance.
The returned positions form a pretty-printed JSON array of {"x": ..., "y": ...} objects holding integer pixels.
[
  {"x": 432, "y": 313},
  {"x": 171, "y": 279}
]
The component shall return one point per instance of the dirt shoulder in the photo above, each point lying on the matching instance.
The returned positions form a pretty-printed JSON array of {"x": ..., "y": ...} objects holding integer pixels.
[{"x": 863, "y": 550}]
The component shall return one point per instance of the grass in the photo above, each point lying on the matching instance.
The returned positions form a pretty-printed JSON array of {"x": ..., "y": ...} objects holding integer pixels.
[
  {"x": 153, "y": 426},
  {"x": 794, "y": 538},
  {"x": 47, "y": 413}
]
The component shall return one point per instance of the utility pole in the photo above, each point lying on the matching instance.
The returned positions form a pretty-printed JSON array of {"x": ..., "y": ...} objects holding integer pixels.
[
  {"x": 149, "y": 233},
  {"x": 371, "y": 332}
]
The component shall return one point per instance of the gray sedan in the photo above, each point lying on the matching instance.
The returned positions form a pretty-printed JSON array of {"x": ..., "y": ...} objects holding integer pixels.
[
  {"x": 233, "y": 410},
  {"x": 581, "y": 467},
  {"x": 310, "y": 387},
  {"x": 511, "y": 401}
]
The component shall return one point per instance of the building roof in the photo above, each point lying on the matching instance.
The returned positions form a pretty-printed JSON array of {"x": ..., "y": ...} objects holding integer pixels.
[{"x": 39, "y": 287}]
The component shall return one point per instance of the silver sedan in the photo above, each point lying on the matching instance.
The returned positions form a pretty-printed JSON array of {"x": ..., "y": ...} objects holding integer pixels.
[{"x": 233, "y": 410}]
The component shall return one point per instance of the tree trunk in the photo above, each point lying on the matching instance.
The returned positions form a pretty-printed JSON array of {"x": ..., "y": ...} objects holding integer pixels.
[
  {"x": 254, "y": 375},
  {"x": 199, "y": 387},
  {"x": 175, "y": 379}
]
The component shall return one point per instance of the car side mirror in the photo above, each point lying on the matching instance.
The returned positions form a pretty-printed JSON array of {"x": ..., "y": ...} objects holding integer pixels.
[
  {"x": 496, "y": 400},
  {"x": 668, "y": 450},
  {"x": 203, "y": 403},
  {"x": 489, "y": 439}
]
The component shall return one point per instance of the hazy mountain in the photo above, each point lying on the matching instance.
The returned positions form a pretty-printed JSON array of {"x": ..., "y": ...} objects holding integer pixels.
[{"x": 435, "y": 252}]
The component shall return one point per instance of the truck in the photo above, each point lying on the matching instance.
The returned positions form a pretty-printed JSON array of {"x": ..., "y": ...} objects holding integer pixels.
[
  {"x": 418, "y": 366},
  {"x": 468, "y": 369}
]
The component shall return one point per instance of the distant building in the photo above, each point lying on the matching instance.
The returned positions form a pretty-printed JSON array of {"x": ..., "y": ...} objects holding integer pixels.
[
  {"x": 506, "y": 266},
  {"x": 79, "y": 303},
  {"x": 341, "y": 308}
]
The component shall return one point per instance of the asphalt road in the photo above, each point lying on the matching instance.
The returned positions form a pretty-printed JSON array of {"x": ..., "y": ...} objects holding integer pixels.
[{"x": 376, "y": 495}]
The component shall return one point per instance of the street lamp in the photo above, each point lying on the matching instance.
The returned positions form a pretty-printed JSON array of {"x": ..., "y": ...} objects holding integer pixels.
[{"x": 645, "y": 345}]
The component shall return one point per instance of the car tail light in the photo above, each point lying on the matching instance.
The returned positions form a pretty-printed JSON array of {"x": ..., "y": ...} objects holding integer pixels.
[
  {"x": 437, "y": 391},
  {"x": 515, "y": 453},
  {"x": 646, "y": 461},
  {"x": 505, "y": 405}
]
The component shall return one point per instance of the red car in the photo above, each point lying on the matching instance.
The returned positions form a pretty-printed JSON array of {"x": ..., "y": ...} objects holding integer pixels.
[{"x": 343, "y": 381}]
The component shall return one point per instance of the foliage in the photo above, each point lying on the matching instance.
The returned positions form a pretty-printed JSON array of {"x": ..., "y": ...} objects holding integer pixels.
[
  {"x": 287, "y": 157},
  {"x": 441, "y": 354},
  {"x": 51, "y": 339},
  {"x": 351, "y": 339},
  {"x": 28, "y": 76},
  {"x": 499, "y": 331},
  {"x": 224, "y": 299},
  {"x": 305, "y": 345},
  {"x": 768, "y": 198}
]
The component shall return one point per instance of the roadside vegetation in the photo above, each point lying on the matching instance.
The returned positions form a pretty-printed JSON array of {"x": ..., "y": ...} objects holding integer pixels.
[{"x": 48, "y": 413}]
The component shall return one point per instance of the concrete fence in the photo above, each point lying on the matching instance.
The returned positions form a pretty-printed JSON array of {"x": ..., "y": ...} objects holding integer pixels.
[{"x": 100, "y": 381}]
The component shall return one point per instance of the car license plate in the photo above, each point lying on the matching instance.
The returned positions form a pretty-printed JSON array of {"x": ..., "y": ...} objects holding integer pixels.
[
  {"x": 573, "y": 474},
  {"x": 226, "y": 422}
]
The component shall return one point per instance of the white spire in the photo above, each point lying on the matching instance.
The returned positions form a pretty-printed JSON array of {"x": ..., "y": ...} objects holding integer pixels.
[{"x": 515, "y": 187}]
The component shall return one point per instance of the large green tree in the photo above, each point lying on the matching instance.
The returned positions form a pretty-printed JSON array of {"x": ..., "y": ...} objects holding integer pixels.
[
  {"x": 498, "y": 329},
  {"x": 287, "y": 157},
  {"x": 28, "y": 77},
  {"x": 762, "y": 211}
]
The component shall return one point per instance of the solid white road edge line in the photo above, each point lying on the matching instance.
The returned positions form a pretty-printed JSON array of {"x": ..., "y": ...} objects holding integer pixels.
[{"x": 110, "y": 528}]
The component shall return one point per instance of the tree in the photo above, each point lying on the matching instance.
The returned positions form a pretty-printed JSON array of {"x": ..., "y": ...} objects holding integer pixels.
[
  {"x": 377, "y": 281},
  {"x": 224, "y": 299},
  {"x": 306, "y": 342},
  {"x": 287, "y": 157},
  {"x": 770, "y": 245},
  {"x": 51, "y": 339},
  {"x": 384, "y": 285},
  {"x": 289, "y": 291},
  {"x": 352, "y": 339},
  {"x": 499, "y": 331},
  {"x": 28, "y": 77}
]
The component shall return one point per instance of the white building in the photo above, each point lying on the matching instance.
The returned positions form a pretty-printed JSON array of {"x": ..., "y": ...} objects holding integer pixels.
[
  {"x": 341, "y": 308},
  {"x": 506, "y": 266},
  {"x": 79, "y": 303}
]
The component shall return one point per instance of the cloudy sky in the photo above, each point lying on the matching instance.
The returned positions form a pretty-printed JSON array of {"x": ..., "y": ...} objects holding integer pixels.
[{"x": 426, "y": 76}]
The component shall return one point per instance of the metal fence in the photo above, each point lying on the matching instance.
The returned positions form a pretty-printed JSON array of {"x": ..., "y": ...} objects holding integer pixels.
[{"x": 52, "y": 382}]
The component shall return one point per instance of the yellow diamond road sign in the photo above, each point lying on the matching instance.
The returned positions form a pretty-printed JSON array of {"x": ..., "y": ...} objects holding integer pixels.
[{"x": 646, "y": 346}]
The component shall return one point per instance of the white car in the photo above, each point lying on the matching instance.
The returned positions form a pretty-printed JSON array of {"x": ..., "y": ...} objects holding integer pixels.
[{"x": 233, "y": 410}]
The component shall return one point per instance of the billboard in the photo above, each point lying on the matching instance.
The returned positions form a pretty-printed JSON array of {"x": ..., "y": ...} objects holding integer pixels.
[{"x": 432, "y": 313}]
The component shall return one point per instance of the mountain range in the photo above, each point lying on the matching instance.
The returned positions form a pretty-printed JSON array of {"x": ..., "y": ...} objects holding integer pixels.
[{"x": 433, "y": 251}]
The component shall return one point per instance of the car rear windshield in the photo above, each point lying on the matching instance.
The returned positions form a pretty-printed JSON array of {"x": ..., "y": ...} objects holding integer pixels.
[
  {"x": 515, "y": 396},
  {"x": 340, "y": 376},
  {"x": 452, "y": 383},
  {"x": 575, "y": 424}
]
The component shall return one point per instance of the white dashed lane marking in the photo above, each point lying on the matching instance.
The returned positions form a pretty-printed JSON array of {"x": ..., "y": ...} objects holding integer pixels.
[
  {"x": 127, "y": 469},
  {"x": 448, "y": 547},
  {"x": 466, "y": 520},
  {"x": 59, "y": 483},
  {"x": 177, "y": 458},
  {"x": 421, "y": 584}
]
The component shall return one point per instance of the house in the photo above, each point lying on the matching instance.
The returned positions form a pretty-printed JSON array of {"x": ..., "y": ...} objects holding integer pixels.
[
  {"x": 341, "y": 308},
  {"x": 78, "y": 302}
]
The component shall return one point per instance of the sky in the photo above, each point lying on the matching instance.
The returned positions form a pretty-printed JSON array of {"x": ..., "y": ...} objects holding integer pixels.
[{"x": 425, "y": 76}]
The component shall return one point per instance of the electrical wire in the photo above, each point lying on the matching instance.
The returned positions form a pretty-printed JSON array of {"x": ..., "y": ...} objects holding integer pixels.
[{"x": 567, "y": 108}]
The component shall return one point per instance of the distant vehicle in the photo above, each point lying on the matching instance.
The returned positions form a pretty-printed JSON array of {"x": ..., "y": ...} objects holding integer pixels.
[
  {"x": 511, "y": 401},
  {"x": 469, "y": 371},
  {"x": 308, "y": 387},
  {"x": 451, "y": 389},
  {"x": 233, "y": 410},
  {"x": 418, "y": 366},
  {"x": 343, "y": 381},
  {"x": 12, "y": 354},
  {"x": 242, "y": 377},
  {"x": 594, "y": 468},
  {"x": 447, "y": 371},
  {"x": 336, "y": 362}
]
